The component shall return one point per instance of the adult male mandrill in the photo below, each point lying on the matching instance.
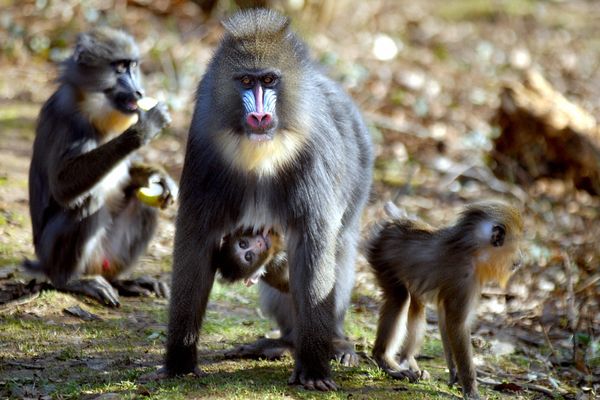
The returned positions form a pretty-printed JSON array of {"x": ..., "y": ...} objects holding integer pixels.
[
  {"x": 416, "y": 264},
  {"x": 273, "y": 142}
]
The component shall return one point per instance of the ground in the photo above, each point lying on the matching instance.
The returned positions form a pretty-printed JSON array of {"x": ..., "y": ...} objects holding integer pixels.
[{"x": 428, "y": 97}]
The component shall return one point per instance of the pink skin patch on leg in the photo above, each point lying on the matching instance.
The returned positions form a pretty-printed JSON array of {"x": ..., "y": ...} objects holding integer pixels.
[{"x": 105, "y": 264}]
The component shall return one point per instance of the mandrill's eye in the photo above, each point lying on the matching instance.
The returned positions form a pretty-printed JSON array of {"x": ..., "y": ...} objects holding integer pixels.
[
  {"x": 246, "y": 81},
  {"x": 269, "y": 80},
  {"x": 120, "y": 67}
]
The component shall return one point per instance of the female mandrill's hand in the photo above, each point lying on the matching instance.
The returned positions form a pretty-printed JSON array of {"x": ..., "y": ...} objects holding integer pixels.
[
  {"x": 150, "y": 123},
  {"x": 161, "y": 191},
  {"x": 152, "y": 185}
]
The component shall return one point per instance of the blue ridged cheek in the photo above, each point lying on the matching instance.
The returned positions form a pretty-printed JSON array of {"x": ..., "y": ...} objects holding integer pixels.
[
  {"x": 270, "y": 99},
  {"x": 248, "y": 101}
]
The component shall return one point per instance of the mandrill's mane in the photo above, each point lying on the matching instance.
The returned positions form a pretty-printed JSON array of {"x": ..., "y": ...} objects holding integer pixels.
[{"x": 257, "y": 22}]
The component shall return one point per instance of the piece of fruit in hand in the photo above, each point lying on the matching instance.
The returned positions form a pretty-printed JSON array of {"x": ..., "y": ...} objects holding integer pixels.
[
  {"x": 151, "y": 194},
  {"x": 147, "y": 103}
]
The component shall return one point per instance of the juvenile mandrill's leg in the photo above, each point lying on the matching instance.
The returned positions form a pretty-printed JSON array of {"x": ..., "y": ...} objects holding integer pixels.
[
  {"x": 459, "y": 338},
  {"x": 453, "y": 379},
  {"x": 391, "y": 332},
  {"x": 312, "y": 283},
  {"x": 415, "y": 331}
]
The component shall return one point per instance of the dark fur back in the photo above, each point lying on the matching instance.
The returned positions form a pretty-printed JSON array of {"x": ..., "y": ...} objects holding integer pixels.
[{"x": 389, "y": 239}]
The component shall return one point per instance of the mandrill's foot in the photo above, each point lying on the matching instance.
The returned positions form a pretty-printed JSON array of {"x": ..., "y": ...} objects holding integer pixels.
[
  {"x": 406, "y": 374},
  {"x": 344, "y": 353},
  {"x": 95, "y": 287},
  {"x": 425, "y": 376},
  {"x": 396, "y": 371},
  {"x": 143, "y": 286},
  {"x": 324, "y": 384},
  {"x": 453, "y": 378},
  {"x": 411, "y": 375},
  {"x": 162, "y": 373},
  {"x": 263, "y": 349}
]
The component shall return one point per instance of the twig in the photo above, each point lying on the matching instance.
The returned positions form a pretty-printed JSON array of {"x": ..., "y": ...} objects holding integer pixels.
[
  {"x": 548, "y": 342},
  {"x": 528, "y": 386},
  {"x": 571, "y": 309},
  {"x": 588, "y": 283},
  {"x": 481, "y": 174}
]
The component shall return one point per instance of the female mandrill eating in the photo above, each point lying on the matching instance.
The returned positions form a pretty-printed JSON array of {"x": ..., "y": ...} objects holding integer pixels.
[
  {"x": 90, "y": 219},
  {"x": 416, "y": 264}
]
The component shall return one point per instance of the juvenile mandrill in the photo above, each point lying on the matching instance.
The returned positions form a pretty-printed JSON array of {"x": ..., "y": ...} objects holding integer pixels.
[
  {"x": 416, "y": 264},
  {"x": 88, "y": 224},
  {"x": 252, "y": 256},
  {"x": 273, "y": 142}
]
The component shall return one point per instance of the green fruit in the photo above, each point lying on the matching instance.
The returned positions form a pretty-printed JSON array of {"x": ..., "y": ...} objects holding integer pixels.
[{"x": 151, "y": 194}]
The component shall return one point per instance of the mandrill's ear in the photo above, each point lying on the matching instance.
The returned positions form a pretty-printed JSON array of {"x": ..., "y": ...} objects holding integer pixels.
[{"x": 498, "y": 235}]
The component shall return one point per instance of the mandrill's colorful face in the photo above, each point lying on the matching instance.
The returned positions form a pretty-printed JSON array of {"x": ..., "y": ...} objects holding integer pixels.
[{"x": 258, "y": 91}]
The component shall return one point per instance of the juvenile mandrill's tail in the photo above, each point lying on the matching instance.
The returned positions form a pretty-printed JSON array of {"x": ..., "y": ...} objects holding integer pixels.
[{"x": 393, "y": 211}]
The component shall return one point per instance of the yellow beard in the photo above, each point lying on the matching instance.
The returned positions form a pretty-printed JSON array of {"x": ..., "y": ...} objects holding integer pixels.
[
  {"x": 262, "y": 158},
  {"x": 104, "y": 117}
]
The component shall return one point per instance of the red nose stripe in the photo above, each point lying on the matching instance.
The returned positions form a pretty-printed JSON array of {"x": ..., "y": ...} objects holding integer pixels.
[{"x": 258, "y": 98}]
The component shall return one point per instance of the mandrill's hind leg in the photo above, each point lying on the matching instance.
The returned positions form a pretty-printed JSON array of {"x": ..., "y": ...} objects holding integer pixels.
[
  {"x": 64, "y": 246},
  {"x": 262, "y": 349},
  {"x": 414, "y": 338},
  {"x": 128, "y": 238},
  {"x": 278, "y": 306}
]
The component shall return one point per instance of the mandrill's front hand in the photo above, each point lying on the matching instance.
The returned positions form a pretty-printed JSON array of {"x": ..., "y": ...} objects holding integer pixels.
[
  {"x": 161, "y": 191},
  {"x": 152, "y": 185},
  {"x": 151, "y": 122}
]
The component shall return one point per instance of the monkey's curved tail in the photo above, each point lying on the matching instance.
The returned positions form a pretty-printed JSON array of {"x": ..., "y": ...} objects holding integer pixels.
[{"x": 393, "y": 211}]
